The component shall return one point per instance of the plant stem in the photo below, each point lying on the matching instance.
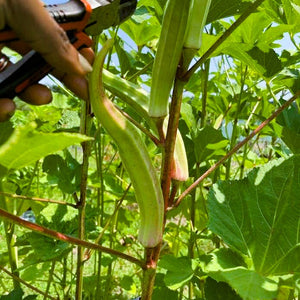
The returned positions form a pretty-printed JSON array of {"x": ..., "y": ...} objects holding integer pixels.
[
  {"x": 237, "y": 147},
  {"x": 235, "y": 121},
  {"x": 88, "y": 252},
  {"x": 170, "y": 139},
  {"x": 204, "y": 92},
  {"x": 12, "y": 252},
  {"x": 17, "y": 278},
  {"x": 10, "y": 240},
  {"x": 100, "y": 202},
  {"x": 86, "y": 122},
  {"x": 14, "y": 196},
  {"x": 222, "y": 39},
  {"x": 66, "y": 238},
  {"x": 149, "y": 271},
  {"x": 50, "y": 279}
]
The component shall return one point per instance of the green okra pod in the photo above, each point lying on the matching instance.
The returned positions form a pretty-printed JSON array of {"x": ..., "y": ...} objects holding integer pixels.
[
  {"x": 133, "y": 153},
  {"x": 168, "y": 55}
]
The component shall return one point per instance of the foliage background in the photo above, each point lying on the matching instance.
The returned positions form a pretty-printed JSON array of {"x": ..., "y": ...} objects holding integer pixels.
[{"x": 236, "y": 236}]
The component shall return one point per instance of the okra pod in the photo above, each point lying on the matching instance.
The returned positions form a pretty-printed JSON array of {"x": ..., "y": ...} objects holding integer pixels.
[{"x": 133, "y": 153}]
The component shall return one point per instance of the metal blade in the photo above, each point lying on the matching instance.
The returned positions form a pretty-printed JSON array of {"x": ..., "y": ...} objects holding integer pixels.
[{"x": 107, "y": 13}]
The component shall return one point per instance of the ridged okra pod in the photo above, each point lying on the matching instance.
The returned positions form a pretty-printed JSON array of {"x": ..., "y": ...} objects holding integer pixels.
[
  {"x": 138, "y": 99},
  {"x": 134, "y": 156},
  {"x": 168, "y": 55},
  {"x": 196, "y": 22}
]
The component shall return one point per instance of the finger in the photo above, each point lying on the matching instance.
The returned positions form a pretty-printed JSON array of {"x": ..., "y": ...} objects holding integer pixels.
[
  {"x": 77, "y": 84},
  {"x": 35, "y": 26},
  {"x": 4, "y": 62},
  {"x": 7, "y": 109},
  {"x": 36, "y": 94}
]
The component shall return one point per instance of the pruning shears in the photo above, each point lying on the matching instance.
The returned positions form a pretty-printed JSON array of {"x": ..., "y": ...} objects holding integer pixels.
[{"x": 80, "y": 19}]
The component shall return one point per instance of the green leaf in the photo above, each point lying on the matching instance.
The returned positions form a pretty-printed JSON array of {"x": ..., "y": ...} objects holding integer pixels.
[
  {"x": 222, "y": 9},
  {"x": 225, "y": 265},
  {"x": 63, "y": 172},
  {"x": 6, "y": 130},
  {"x": 46, "y": 248},
  {"x": 268, "y": 60},
  {"x": 164, "y": 293},
  {"x": 290, "y": 120},
  {"x": 208, "y": 142},
  {"x": 292, "y": 11},
  {"x": 123, "y": 56},
  {"x": 26, "y": 145},
  {"x": 142, "y": 32},
  {"x": 259, "y": 216},
  {"x": 219, "y": 291},
  {"x": 15, "y": 294},
  {"x": 249, "y": 284},
  {"x": 179, "y": 271},
  {"x": 187, "y": 115}
]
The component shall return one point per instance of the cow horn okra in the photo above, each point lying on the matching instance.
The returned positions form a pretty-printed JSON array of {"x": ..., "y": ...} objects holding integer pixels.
[
  {"x": 133, "y": 153},
  {"x": 168, "y": 55}
]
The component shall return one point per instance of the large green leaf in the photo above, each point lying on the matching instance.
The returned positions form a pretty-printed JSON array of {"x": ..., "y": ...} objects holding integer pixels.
[
  {"x": 260, "y": 216},
  {"x": 179, "y": 271},
  {"x": 268, "y": 60},
  {"x": 63, "y": 172},
  {"x": 209, "y": 143},
  {"x": 221, "y": 9},
  {"x": 224, "y": 265},
  {"x": 219, "y": 291},
  {"x": 290, "y": 120},
  {"x": 26, "y": 145},
  {"x": 249, "y": 284}
]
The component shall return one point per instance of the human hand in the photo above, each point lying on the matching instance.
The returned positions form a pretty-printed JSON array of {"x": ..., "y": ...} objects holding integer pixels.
[{"x": 37, "y": 30}]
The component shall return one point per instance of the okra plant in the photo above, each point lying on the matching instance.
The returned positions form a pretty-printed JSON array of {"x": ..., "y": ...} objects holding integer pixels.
[{"x": 178, "y": 179}]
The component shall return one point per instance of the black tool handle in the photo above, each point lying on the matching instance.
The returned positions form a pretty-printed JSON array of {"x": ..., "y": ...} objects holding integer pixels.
[{"x": 71, "y": 11}]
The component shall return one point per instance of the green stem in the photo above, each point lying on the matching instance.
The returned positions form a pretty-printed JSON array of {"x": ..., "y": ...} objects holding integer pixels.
[
  {"x": 272, "y": 93},
  {"x": 12, "y": 251},
  {"x": 242, "y": 167},
  {"x": 149, "y": 272},
  {"x": 14, "y": 196},
  {"x": 64, "y": 276},
  {"x": 235, "y": 121},
  {"x": 85, "y": 129},
  {"x": 19, "y": 280},
  {"x": 10, "y": 240},
  {"x": 51, "y": 272},
  {"x": 204, "y": 92},
  {"x": 99, "y": 147}
]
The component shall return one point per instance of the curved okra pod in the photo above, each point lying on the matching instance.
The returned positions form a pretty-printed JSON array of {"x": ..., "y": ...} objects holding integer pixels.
[
  {"x": 134, "y": 156},
  {"x": 138, "y": 99}
]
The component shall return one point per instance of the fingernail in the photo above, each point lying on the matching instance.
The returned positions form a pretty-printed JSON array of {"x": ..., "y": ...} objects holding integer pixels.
[{"x": 85, "y": 64}]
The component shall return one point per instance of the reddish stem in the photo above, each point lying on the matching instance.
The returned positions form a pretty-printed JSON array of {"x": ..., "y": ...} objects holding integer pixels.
[
  {"x": 237, "y": 147},
  {"x": 66, "y": 238}
]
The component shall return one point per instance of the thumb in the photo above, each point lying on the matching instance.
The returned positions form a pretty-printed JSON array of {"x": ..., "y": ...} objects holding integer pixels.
[{"x": 34, "y": 25}]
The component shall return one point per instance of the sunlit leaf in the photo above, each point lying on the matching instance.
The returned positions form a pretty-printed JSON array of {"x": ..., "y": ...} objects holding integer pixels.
[
  {"x": 179, "y": 271},
  {"x": 259, "y": 216},
  {"x": 26, "y": 145}
]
